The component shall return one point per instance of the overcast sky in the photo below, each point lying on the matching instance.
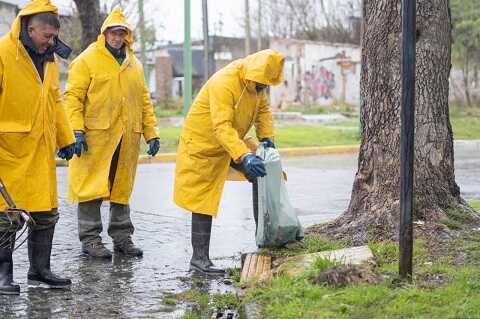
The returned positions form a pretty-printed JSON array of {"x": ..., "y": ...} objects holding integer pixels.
[{"x": 169, "y": 14}]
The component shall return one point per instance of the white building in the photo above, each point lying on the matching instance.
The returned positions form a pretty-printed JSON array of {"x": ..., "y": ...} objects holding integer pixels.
[{"x": 317, "y": 73}]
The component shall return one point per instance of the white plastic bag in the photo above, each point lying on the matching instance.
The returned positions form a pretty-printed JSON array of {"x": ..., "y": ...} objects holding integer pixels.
[{"x": 278, "y": 223}]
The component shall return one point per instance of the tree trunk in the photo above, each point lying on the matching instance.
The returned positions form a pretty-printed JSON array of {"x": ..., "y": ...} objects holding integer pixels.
[
  {"x": 374, "y": 209},
  {"x": 91, "y": 20}
]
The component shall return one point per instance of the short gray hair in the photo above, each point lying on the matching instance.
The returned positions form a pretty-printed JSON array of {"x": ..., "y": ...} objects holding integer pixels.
[{"x": 49, "y": 18}]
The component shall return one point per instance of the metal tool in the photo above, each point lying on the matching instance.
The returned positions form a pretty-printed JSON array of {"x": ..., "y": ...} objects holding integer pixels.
[
  {"x": 12, "y": 210},
  {"x": 16, "y": 216}
]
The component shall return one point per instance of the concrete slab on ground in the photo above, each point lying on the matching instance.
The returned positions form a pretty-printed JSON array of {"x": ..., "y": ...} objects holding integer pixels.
[{"x": 296, "y": 265}]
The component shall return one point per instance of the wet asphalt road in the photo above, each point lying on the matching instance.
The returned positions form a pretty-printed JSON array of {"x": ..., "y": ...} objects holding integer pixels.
[{"x": 319, "y": 188}]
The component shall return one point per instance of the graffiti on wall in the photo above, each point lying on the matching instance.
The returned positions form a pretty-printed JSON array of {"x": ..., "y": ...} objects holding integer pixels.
[{"x": 319, "y": 83}]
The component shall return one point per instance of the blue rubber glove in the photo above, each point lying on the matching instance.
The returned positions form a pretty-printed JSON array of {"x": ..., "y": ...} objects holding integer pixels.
[
  {"x": 254, "y": 166},
  {"x": 80, "y": 143},
  {"x": 153, "y": 146},
  {"x": 267, "y": 143},
  {"x": 66, "y": 152}
]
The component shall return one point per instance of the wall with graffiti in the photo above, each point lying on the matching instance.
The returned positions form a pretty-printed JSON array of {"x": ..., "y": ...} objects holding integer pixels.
[
  {"x": 319, "y": 83},
  {"x": 317, "y": 73}
]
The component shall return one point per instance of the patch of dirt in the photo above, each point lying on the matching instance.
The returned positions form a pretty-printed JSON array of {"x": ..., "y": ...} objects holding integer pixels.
[
  {"x": 430, "y": 280},
  {"x": 347, "y": 275}
]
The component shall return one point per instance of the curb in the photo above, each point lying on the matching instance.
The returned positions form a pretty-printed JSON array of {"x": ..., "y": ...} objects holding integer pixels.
[{"x": 284, "y": 152}]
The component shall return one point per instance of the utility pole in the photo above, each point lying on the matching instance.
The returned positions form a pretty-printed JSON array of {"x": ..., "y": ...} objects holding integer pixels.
[
  {"x": 407, "y": 138},
  {"x": 141, "y": 22},
  {"x": 259, "y": 36},
  {"x": 247, "y": 28},
  {"x": 206, "y": 42},
  {"x": 187, "y": 61}
]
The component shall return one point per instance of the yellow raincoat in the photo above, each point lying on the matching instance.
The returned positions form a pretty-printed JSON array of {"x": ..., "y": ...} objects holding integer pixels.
[
  {"x": 32, "y": 121},
  {"x": 109, "y": 102},
  {"x": 221, "y": 115}
]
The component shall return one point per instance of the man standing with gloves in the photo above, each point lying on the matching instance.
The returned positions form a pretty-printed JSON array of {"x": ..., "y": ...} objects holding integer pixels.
[
  {"x": 109, "y": 108},
  {"x": 225, "y": 109},
  {"x": 33, "y": 125}
]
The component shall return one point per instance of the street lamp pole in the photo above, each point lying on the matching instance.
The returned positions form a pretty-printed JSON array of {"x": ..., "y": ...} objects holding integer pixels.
[{"x": 187, "y": 61}]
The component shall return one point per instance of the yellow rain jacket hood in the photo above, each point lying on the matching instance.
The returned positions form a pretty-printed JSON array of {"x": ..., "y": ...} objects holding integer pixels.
[
  {"x": 117, "y": 18},
  {"x": 111, "y": 104},
  {"x": 32, "y": 121},
  {"x": 225, "y": 109},
  {"x": 265, "y": 67}
]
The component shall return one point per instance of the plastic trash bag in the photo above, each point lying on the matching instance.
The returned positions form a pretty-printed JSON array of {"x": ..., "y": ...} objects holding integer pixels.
[{"x": 278, "y": 223}]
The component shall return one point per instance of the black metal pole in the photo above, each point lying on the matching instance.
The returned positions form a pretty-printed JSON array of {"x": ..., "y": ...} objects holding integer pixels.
[{"x": 407, "y": 137}]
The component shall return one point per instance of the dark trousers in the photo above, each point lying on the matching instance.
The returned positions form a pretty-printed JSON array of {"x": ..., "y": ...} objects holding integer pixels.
[{"x": 120, "y": 226}]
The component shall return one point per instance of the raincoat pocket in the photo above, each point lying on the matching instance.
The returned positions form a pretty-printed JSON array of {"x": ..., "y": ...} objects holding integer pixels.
[
  {"x": 198, "y": 149},
  {"x": 98, "y": 107}
]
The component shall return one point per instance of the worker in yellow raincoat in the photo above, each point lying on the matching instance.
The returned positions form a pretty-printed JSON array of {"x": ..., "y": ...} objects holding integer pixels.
[
  {"x": 230, "y": 103},
  {"x": 33, "y": 124},
  {"x": 109, "y": 108}
]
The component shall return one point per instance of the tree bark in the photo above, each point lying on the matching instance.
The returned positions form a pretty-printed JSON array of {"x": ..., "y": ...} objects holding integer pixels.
[
  {"x": 91, "y": 20},
  {"x": 374, "y": 209}
]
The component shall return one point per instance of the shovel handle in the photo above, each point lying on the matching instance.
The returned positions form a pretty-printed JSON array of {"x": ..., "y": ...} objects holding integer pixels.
[{"x": 6, "y": 195}]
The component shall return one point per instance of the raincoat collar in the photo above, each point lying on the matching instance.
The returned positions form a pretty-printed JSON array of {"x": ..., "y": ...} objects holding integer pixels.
[{"x": 119, "y": 54}]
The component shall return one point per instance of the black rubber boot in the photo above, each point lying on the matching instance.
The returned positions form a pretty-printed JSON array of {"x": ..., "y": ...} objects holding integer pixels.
[
  {"x": 39, "y": 251},
  {"x": 7, "y": 286},
  {"x": 201, "y": 230}
]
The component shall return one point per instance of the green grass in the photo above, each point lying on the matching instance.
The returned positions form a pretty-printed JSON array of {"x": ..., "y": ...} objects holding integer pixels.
[
  {"x": 466, "y": 128},
  {"x": 168, "y": 140},
  {"x": 310, "y": 110},
  {"x": 303, "y": 136},
  {"x": 234, "y": 274},
  {"x": 288, "y": 298},
  {"x": 311, "y": 244},
  {"x": 475, "y": 204},
  {"x": 162, "y": 113},
  {"x": 206, "y": 304},
  {"x": 455, "y": 295}
]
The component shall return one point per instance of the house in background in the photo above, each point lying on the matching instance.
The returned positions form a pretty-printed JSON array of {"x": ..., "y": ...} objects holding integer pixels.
[{"x": 169, "y": 63}]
